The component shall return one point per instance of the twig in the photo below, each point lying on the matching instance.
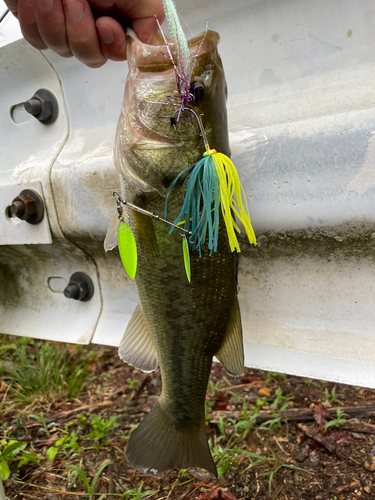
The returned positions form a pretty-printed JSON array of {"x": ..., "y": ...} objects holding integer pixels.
[
  {"x": 172, "y": 488},
  {"x": 279, "y": 445},
  {"x": 187, "y": 492},
  {"x": 300, "y": 414},
  {"x": 61, "y": 492}
]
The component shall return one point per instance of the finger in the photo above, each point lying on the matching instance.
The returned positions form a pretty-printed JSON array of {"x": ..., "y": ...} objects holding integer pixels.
[
  {"x": 28, "y": 24},
  {"x": 50, "y": 19},
  {"x": 81, "y": 33},
  {"x": 145, "y": 28},
  {"x": 12, "y": 6},
  {"x": 142, "y": 12},
  {"x": 112, "y": 38}
]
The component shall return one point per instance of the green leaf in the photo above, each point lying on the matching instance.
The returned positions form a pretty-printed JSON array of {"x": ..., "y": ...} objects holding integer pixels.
[
  {"x": 62, "y": 441},
  {"x": 52, "y": 452},
  {"x": 185, "y": 250},
  {"x": 128, "y": 249},
  {"x": 28, "y": 456},
  {"x": 4, "y": 470},
  {"x": 97, "y": 475},
  {"x": 83, "y": 477},
  {"x": 12, "y": 449}
]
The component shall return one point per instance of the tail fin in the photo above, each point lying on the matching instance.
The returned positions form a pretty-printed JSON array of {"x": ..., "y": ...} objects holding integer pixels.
[{"x": 157, "y": 446}]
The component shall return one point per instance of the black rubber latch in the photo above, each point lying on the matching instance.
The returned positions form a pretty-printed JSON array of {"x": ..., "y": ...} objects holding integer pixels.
[{"x": 80, "y": 287}]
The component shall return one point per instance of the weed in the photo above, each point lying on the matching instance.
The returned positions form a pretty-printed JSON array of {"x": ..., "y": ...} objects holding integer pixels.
[
  {"x": 137, "y": 494},
  {"x": 338, "y": 421},
  {"x": 69, "y": 442},
  {"x": 90, "y": 487},
  {"x": 331, "y": 398},
  {"x": 275, "y": 377},
  {"x": 278, "y": 405},
  {"x": 125, "y": 436},
  {"x": 43, "y": 426},
  {"x": 101, "y": 427},
  {"x": 247, "y": 421},
  {"x": 37, "y": 371},
  {"x": 14, "y": 450},
  {"x": 132, "y": 383},
  {"x": 72, "y": 477},
  {"x": 224, "y": 457}
]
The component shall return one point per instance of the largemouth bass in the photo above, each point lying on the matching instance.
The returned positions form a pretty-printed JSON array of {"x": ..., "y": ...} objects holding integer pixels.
[{"x": 178, "y": 325}]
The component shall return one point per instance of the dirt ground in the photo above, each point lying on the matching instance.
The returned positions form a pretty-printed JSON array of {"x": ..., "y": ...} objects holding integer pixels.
[{"x": 281, "y": 450}]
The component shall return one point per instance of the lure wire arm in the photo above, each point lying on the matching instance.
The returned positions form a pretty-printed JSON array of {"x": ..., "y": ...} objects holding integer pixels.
[{"x": 121, "y": 202}]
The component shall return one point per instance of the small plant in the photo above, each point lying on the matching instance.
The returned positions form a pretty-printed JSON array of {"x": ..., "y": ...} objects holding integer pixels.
[
  {"x": 125, "y": 436},
  {"x": 246, "y": 421},
  {"x": 278, "y": 405},
  {"x": 14, "y": 450},
  {"x": 67, "y": 443},
  {"x": 90, "y": 487},
  {"x": 44, "y": 427},
  {"x": 275, "y": 461},
  {"x": 330, "y": 398},
  {"x": 9, "y": 449},
  {"x": 137, "y": 494},
  {"x": 275, "y": 377},
  {"x": 132, "y": 383},
  {"x": 338, "y": 421},
  {"x": 101, "y": 427},
  {"x": 224, "y": 457}
]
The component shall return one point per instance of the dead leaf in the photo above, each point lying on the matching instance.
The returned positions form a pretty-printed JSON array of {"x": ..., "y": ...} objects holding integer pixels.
[
  {"x": 227, "y": 495},
  {"x": 370, "y": 463},
  {"x": 3, "y": 386},
  {"x": 222, "y": 494},
  {"x": 264, "y": 391},
  {"x": 320, "y": 415}
]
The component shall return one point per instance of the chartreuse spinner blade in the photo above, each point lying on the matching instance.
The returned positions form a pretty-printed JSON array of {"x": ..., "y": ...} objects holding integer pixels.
[
  {"x": 127, "y": 248},
  {"x": 126, "y": 241}
]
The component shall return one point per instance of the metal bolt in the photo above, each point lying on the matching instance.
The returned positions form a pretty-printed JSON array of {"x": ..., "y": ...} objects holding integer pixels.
[
  {"x": 28, "y": 206},
  {"x": 17, "y": 208},
  {"x": 33, "y": 106},
  {"x": 23, "y": 207}
]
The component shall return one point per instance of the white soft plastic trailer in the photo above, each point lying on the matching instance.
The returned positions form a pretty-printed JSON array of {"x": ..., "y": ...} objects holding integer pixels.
[{"x": 301, "y": 107}]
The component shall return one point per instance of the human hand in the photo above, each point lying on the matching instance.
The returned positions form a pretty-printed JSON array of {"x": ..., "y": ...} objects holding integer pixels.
[{"x": 73, "y": 28}]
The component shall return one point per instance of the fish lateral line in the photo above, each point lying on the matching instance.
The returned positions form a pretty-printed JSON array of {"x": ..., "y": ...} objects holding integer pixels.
[{"x": 121, "y": 201}]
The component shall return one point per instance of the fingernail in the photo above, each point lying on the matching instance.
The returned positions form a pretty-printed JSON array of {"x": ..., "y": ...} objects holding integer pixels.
[
  {"x": 44, "y": 5},
  {"x": 29, "y": 3},
  {"x": 75, "y": 10},
  {"x": 106, "y": 34}
]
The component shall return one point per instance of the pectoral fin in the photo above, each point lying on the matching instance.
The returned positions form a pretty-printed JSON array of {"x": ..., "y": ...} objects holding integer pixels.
[
  {"x": 110, "y": 241},
  {"x": 145, "y": 232},
  {"x": 137, "y": 347},
  {"x": 230, "y": 353}
]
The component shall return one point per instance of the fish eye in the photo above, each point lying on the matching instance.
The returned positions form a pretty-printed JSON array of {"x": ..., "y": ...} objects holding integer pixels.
[{"x": 197, "y": 90}]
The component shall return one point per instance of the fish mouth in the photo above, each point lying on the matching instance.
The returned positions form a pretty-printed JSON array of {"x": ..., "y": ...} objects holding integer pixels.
[{"x": 153, "y": 58}]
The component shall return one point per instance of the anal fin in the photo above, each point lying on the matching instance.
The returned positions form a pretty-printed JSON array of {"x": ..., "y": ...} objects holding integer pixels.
[
  {"x": 231, "y": 354},
  {"x": 137, "y": 347}
]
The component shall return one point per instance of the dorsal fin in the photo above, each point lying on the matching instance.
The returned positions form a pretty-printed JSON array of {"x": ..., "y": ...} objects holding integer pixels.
[
  {"x": 137, "y": 347},
  {"x": 230, "y": 353}
]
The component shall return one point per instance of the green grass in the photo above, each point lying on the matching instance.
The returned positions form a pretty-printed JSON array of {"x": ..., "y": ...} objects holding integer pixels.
[{"x": 38, "y": 372}]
